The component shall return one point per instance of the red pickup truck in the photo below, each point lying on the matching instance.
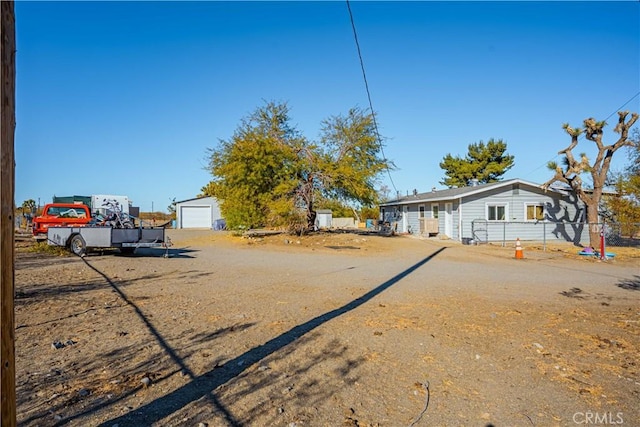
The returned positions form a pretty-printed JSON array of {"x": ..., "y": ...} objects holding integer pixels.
[{"x": 60, "y": 214}]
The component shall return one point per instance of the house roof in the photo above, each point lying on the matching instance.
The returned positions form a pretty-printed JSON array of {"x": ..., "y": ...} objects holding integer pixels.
[
  {"x": 566, "y": 189},
  {"x": 457, "y": 193},
  {"x": 195, "y": 198}
]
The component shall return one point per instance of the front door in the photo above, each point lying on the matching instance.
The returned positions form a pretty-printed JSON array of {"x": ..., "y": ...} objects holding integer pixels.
[
  {"x": 405, "y": 219},
  {"x": 448, "y": 219}
]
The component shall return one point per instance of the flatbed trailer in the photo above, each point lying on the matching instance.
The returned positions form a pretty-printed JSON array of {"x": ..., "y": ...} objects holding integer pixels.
[{"x": 79, "y": 240}]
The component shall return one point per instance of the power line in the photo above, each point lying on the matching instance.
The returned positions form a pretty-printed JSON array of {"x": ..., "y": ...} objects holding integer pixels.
[
  {"x": 366, "y": 85},
  {"x": 622, "y": 106}
]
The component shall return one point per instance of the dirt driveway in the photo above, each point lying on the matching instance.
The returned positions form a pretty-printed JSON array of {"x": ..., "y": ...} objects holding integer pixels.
[{"x": 329, "y": 330}]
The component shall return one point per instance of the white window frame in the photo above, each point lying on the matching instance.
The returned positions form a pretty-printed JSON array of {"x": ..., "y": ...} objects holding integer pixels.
[
  {"x": 422, "y": 211},
  {"x": 544, "y": 211},
  {"x": 496, "y": 205},
  {"x": 435, "y": 213}
]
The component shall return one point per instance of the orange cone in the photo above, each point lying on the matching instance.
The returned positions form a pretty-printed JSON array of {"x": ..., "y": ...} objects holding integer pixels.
[{"x": 519, "y": 254}]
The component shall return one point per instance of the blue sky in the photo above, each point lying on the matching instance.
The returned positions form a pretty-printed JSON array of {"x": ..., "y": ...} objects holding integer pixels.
[{"x": 126, "y": 97}]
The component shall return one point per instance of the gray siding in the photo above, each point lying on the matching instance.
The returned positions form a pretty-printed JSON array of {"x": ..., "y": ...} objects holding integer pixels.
[
  {"x": 456, "y": 221},
  {"x": 412, "y": 219},
  {"x": 391, "y": 215},
  {"x": 394, "y": 215},
  {"x": 515, "y": 225},
  {"x": 469, "y": 215},
  {"x": 204, "y": 201}
]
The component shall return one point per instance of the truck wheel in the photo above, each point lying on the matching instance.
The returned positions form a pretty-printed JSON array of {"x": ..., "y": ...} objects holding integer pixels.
[{"x": 77, "y": 245}]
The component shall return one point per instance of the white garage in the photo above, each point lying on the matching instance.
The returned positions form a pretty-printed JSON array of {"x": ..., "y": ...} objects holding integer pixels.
[{"x": 201, "y": 212}]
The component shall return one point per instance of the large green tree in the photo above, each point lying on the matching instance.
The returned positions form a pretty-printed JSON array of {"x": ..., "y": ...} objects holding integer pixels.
[
  {"x": 572, "y": 169},
  {"x": 483, "y": 162},
  {"x": 256, "y": 168},
  {"x": 346, "y": 163},
  {"x": 268, "y": 174}
]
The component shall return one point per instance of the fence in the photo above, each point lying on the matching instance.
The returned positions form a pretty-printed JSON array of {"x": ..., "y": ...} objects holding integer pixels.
[
  {"x": 616, "y": 234},
  {"x": 625, "y": 234}
]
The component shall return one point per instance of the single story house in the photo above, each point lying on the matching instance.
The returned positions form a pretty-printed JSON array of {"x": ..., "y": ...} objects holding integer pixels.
[
  {"x": 498, "y": 211},
  {"x": 201, "y": 212}
]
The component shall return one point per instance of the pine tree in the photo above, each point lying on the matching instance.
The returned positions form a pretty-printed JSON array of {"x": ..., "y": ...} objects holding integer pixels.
[{"x": 484, "y": 163}]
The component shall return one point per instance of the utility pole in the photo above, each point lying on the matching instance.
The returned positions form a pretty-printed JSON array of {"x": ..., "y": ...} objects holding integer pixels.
[{"x": 7, "y": 211}]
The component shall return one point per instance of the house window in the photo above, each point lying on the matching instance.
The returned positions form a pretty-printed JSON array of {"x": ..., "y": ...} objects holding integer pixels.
[
  {"x": 534, "y": 212},
  {"x": 421, "y": 209},
  {"x": 496, "y": 212},
  {"x": 435, "y": 210}
]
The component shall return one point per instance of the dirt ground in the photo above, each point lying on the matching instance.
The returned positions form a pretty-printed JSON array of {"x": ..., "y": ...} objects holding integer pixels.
[{"x": 327, "y": 330}]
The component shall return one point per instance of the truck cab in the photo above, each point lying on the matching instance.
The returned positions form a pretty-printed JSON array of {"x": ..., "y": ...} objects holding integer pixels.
[{"x": 60, "y": 214}]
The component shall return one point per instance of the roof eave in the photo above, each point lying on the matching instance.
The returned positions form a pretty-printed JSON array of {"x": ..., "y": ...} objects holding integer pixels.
[{"x": 472, "y": 191}]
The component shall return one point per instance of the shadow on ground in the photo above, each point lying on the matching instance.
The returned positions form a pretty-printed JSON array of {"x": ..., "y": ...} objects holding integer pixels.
[
  {"x": 630, "y": 284},
  {"x": 204, "y": 386},
  {"x": 249, "y": 369}
]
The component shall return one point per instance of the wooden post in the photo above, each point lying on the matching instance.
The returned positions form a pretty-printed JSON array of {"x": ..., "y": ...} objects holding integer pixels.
[{"x": 7, "y": 189}]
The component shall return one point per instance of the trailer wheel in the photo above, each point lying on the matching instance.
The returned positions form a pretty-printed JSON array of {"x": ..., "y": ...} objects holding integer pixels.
[
  {"x": 127, "y": 250},
  {"x": 77, "y": 245}
]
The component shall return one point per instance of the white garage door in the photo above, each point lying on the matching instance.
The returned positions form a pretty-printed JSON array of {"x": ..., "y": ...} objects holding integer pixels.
[{"x": 195, "y": 216}]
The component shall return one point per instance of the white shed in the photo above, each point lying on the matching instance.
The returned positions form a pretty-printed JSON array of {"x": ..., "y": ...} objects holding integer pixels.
[
  {"x": 202, "y": 212},
  {"x": 324, "y": 218}
]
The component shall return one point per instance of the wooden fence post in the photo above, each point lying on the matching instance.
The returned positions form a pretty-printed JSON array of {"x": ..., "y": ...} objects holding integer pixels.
[{"x": 7, "y": 211}]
